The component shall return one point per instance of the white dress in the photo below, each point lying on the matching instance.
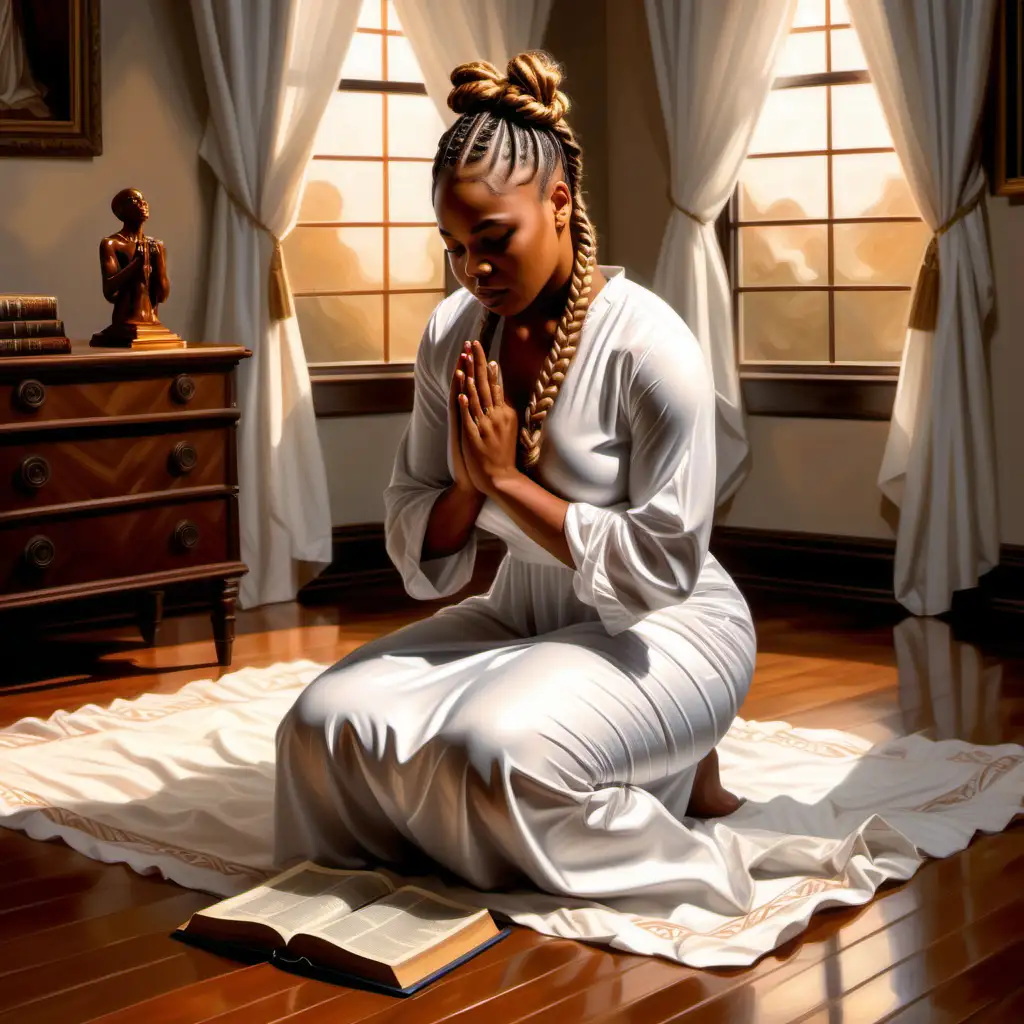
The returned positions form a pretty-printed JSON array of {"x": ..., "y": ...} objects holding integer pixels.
[{"x": 546, "y": 733}]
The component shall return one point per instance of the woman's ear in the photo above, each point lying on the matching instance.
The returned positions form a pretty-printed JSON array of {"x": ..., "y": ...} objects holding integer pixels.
[{"x": 561, "y": 201}]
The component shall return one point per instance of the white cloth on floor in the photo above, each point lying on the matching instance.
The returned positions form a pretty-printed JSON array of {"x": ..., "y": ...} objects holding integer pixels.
[
  {"x": 182, "y": 784},
  {"x": 547, "y": 732}
]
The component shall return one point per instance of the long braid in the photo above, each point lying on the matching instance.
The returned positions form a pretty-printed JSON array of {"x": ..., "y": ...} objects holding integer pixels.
[
  {"x": 521, "y": 118},
  {"x": 549, "y": 383}
]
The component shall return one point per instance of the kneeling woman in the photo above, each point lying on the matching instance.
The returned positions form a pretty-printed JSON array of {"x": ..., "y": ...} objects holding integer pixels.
[{"x": 559, "y": 729}]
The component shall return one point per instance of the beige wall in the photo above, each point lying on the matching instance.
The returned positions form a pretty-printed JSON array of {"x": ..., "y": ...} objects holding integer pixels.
[
  {"x": 57, "y": 209},
  {"x": 808, "y": 475}
]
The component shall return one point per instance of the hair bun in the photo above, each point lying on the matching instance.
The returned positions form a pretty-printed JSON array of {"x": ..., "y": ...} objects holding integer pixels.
[
  {"x": 478, "y": 87},
  {"x": 529, "y": 93},
  {"x": 535, "y": 76}
]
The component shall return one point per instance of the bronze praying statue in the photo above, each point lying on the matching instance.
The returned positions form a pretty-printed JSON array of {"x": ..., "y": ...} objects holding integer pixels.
[{"x": 134, "y": 269}]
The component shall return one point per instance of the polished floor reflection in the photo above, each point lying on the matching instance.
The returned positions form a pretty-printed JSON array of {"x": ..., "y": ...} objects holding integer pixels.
[{"x": 81, "y": 941}]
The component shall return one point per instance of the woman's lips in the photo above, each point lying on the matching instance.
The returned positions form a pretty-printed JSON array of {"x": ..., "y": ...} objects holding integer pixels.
[{"x": 491, "y": 295}]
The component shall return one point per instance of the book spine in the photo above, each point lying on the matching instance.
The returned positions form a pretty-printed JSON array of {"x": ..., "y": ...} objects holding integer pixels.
[
  {"x": 34, "y": 346},
  {"x": 31, "y": 328},
  {"x": 28, "y": 307}
]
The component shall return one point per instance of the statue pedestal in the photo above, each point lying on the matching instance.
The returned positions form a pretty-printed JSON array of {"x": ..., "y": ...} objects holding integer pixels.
[{"x": 146, "y": 335}]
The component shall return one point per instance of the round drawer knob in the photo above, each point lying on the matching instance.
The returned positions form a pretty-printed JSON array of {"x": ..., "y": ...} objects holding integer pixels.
[
  {"x": 186, "y": 535},
  {"x": 34, "y": 472},
  {"x": 39, "y": 552},
  {"x": 183, "y": 458},
  {"x": 30, "y": 395},
  {"x": 183, "y": 388}
]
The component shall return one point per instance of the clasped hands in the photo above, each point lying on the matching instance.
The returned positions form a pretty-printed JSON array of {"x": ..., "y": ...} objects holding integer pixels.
[{"x": 483, "y": 427}]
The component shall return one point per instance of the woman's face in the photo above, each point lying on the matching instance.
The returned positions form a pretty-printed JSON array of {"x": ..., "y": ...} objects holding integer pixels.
[{"x": 506, "y": 242}]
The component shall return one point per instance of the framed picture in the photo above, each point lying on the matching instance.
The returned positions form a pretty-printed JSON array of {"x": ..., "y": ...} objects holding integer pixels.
[
  {"x": 50, "y": 78},
  {"x": 1006, "y": 144}
]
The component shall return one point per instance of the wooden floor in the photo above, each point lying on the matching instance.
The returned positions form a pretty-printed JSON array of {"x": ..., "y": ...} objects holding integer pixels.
[{"x": 81, "y": 941}]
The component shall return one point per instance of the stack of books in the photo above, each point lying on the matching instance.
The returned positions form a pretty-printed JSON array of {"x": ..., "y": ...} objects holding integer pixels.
[{"x": 29, "y": 326}]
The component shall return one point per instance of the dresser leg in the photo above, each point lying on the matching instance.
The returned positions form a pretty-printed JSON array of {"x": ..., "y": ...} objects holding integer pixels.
[
  {"x": 151, "y": 614},
  {"x": 224, "y": 620}
]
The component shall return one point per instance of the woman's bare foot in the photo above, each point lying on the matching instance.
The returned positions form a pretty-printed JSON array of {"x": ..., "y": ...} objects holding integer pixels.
[{"x": 708, "y": 798}]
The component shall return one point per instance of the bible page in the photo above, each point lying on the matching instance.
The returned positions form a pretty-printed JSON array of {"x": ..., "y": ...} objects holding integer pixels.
[
  {"x": 304, "y": 898},
  {"x": 403, "y": 925}
]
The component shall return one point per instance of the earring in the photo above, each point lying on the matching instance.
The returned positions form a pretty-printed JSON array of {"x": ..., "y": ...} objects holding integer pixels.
[{"x": 484, "y": 268}]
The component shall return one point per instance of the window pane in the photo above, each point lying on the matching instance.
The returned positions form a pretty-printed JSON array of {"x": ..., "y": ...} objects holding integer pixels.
[
  {"x": 365, "y": 58},
  {"x": 408, "y": 317},
  {"x": 394, "y": 25},
  {"x": 369, "y": 14},
  {"x": 879, "y": 253},
  {"x": 871, "y": 326},
  {"x": 871, "y": 185},
  {"x": 784, "y": 255},
  {"x": 409, "y": 192},
  {"x": 803, "y": 54},
  {"x": 784, "y": 327},
  {"x": 335, "y": 259},
  {"x": 343, "y": 190},
  {"x": 784, "y": 188},
  {"x": 414, "y": 126},
  {"x": 809, "y": 12},
  {"x": 342, "y": 328},
  {"x": 847, "y": 54},
  {"x": 793, "y": 120},
  {"x": 839, "y": 13},
  {"x": 402, "y": 63},
  {"x": 352, "y": 125},
  {"x": 857, "y": 118},
  {"x": 416, "y": 258}
]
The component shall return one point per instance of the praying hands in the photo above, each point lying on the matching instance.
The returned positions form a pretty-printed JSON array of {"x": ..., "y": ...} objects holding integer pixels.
[{"x": 487, "y": 426}]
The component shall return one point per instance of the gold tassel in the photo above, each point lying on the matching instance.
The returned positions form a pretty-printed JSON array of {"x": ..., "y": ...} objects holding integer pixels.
[
  {"x": 279, "y": 293},
  {"x": 924, "y": 310}
]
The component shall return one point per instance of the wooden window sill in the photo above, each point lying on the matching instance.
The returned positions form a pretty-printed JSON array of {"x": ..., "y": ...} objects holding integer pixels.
[
  {"x": 825, "y": 396},
  {"x": 362, "y": 391}
]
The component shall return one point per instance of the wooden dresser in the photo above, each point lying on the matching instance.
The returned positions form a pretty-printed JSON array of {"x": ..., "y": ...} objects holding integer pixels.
[{"x": 118, "y": 476}]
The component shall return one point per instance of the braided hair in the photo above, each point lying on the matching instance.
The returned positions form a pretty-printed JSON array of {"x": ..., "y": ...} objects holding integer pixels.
[{"x": 518, "y": 121}]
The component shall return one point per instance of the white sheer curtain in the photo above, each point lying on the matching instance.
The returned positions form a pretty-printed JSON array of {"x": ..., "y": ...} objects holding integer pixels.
[
  {"x": 270, "y": 69},
  {"x": 929, "y": 61},
  {"x": 714, "y": 63},
  {"x": 446, "y": 33}
]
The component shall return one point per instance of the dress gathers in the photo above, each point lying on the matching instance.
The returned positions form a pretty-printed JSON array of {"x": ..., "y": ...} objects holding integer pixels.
[{"x": 545, "y": 733}]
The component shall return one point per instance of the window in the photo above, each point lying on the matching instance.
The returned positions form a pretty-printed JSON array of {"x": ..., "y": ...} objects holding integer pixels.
[
  {"x": 365, "y": 260},
  {"x": 826, "y": 239}
]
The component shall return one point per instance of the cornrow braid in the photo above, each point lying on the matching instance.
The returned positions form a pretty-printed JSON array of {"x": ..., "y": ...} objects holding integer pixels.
[{"x": 519, "y": 121}]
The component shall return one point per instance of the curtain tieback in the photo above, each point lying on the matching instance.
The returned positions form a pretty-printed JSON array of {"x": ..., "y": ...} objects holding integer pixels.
[
  {"x": 684, "y": 210},
  {"x": 279, "y": 293},
  {"x": 924, "y": 311}
]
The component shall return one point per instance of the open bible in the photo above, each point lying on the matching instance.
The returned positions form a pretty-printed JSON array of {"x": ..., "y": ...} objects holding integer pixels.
[{"x": 345, "y": 926}]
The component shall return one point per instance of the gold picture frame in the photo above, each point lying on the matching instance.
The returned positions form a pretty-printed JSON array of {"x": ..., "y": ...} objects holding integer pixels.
[
  {"x": 50, "y": 86},
  {"x": 1007, "y": 95}
]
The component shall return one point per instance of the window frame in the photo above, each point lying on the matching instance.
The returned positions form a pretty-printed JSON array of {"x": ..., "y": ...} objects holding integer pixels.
[
  {"x": 820, "y": 391},
  {"x": 367, "y": 389}
]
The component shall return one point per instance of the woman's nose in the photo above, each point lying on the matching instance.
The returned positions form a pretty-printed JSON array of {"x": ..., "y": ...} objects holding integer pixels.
[{"x": 480, "y": 269}]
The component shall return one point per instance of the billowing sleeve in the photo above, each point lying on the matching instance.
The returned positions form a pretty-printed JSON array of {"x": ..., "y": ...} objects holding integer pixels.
[
  {"x": 636, "y": 560},
  {"x": 421, "y": 474}
]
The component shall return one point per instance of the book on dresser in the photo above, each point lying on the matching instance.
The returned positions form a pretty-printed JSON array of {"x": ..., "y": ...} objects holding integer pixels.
[
  {"x": 29, "y": 326},
  {"x": 28, "y": 307},
  {"x": 48, "y": 346},
  {"x": 348, "y": 927}
]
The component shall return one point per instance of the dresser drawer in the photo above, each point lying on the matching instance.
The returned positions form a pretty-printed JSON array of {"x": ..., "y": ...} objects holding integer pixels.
[
  {"x": 41, "y": 397},
  {"x": 85, "y": 548},
  {"x": 44, "y": 472}
]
